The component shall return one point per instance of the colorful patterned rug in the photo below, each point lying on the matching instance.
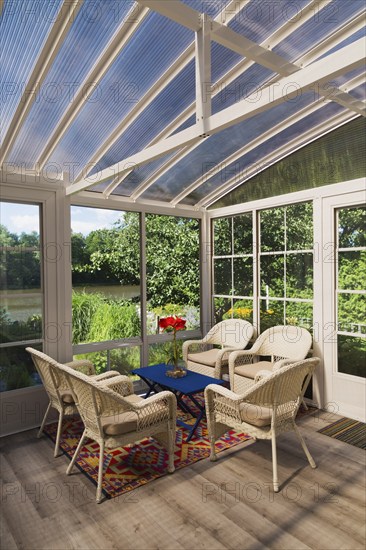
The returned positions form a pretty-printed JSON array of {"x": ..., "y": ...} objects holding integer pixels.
[
  {"x": 127, "y": 468},
  {"x": 347, "y": 430}
]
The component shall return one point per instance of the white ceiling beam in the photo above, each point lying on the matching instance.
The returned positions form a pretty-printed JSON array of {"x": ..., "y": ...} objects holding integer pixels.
[
  {"x": 186, "y": 137},
  {"x": 251, "y": 50},
  {"x": 306, "y": 111},
  {"x": 233, "y": 73},
  {"x": 54, "y": 41},
  {"x": 317, "y": 74},
  {"x": 247, "y": 148},
  {"x": 276, "y": 156},
  {"x": 203, "y": 75},
  {"x": 176, "y": 11},
  {"x": 163, "y": 81},
  {"x": 118, "y": 41}
]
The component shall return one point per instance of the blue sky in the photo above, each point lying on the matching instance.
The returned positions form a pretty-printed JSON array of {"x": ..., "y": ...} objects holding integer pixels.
[{"x": 24, "y": 217}]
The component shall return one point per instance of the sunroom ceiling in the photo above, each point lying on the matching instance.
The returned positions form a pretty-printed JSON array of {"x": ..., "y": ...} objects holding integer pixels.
[{"x": 173, "y": 102}]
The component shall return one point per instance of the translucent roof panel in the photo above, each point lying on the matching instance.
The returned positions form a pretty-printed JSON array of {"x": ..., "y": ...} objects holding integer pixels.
[
  {"x": 24, "y": 27},
  {"x": 210, "y": 7},
  {"x": 178, "y": 95},
  {"x": 320, "y": 26},
  {"x": 256, "y": 159},
  {"x": 218, "y": 147},
  {"x": 153, "y": 47},
  {"x": 91, "y": 30},
  {"x": 359, "y": 92},
  {"x": 257, "y": 20}
]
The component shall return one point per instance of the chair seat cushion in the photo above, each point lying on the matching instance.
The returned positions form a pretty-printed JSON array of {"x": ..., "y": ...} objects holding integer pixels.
[
  {"x": 250, "y": 370},
  {"x": 119, "y": 424},
  {"x": 207, "y": 358},
  {"x": 123, "y": 422},
  {"x": 255, "y": 415}
]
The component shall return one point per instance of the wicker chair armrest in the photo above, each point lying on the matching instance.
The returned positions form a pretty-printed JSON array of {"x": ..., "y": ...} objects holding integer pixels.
[
  {"x": 191, "y": 343},
  {"x": 119, "y": 383},
  {"x": 82, "y": 365},
  {"x": 106, "y": 375},
  {"x": 216, "y": 389},
  {"x": 153, "y": 399}
]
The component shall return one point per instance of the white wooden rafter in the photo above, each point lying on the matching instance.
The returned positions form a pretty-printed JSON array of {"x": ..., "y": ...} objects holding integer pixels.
[
  {"x": 161, "y": 83},
  {"x": 119, "y": 40},
  {"x": 339, "y": 92},
  {"x": 276, "y": 156},
  {"x": 245, "y": 64},
  {"x": 53, "y": 43},
  {"x": 340, "y": 62}
]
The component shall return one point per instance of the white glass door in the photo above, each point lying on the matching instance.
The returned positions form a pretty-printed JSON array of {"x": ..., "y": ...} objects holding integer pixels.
[{"x": 345, "y": 330}]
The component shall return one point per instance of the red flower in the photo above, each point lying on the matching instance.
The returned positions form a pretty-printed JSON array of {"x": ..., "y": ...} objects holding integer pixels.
[{"x": 173, "y": 323}]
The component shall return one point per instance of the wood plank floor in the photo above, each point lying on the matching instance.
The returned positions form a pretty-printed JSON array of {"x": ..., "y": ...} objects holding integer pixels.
[{"x": 227, "y": 504}]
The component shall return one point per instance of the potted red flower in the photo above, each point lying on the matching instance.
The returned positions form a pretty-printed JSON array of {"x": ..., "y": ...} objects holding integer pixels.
[{"x": 173, "y": 324}]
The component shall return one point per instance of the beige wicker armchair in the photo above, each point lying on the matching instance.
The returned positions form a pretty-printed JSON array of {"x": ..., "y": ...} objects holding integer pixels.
[
  {"x": 266, "y": 410},
  {"x": 200, "y": 355},
  {"x": 58, "y": 390},
  {"x": 280, "y": 342},
  {"x": 114, "y": 416}
]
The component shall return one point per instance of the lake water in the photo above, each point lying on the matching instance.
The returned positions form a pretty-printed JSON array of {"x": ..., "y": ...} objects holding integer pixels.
[{"x": 20, "y": 308}]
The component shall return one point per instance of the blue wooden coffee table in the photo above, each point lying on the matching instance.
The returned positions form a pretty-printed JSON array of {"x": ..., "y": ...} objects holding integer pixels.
[{"x": 188, "y": 386}]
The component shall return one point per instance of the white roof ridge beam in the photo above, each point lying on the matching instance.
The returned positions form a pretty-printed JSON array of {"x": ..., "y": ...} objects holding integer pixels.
[
  {"x": 161, "y": 83},
  {"x": 277, "y": 156},
  {"x": 230, "y": 76},
  {"x": 247, "y": 148},
  {"x": 54, "y": 41},
  {"x": 118, "y": 41},
  {"x": 176, "y": 11},
  {"x": 346, "y": 59},
  {"x": 296, "y": 117}
]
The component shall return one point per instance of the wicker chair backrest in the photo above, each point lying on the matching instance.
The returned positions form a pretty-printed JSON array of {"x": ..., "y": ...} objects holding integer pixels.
[
  {"x": 283, "y": 386},
  {"x": 233, "y": 333},
  {"x": 285, "y": 341}
]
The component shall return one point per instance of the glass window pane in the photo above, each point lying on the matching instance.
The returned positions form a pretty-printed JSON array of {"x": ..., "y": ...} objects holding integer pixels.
[
  {"x": 243, "y": 234},
  {"x": 172, "y": 269},
  {"x": 222, "y": 276},
  {"x": 162, "y": 353},
  {"x": 351, "y": 227},
  {"x": 20, "y": 318},
  {"x": 124, "y": 360},
  {"x": 299, "y": 275},
  {"x": 272, "y": 276},
  {"x": 17, "y": 369},
  {"x": 222, "y": 309},
  {"x": 352, "y": 270},
  {"x": 242, "y": 309},
  {"x": 352, "y": 313},
  {"x": 106, "y": 274},
  {"x": 351, "y": 355},
  {"x": 299, "y": 314},
  {"x": 20, "y": 266},
  {"x": 222, "y": 236},
  {"x": 271, "y": 314},
  {"x": 299, "y": 226},
  {"x": 243, "y": 276},
  {"x": 272, "y": 223},
  {"x": 98, "y": 358}
]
